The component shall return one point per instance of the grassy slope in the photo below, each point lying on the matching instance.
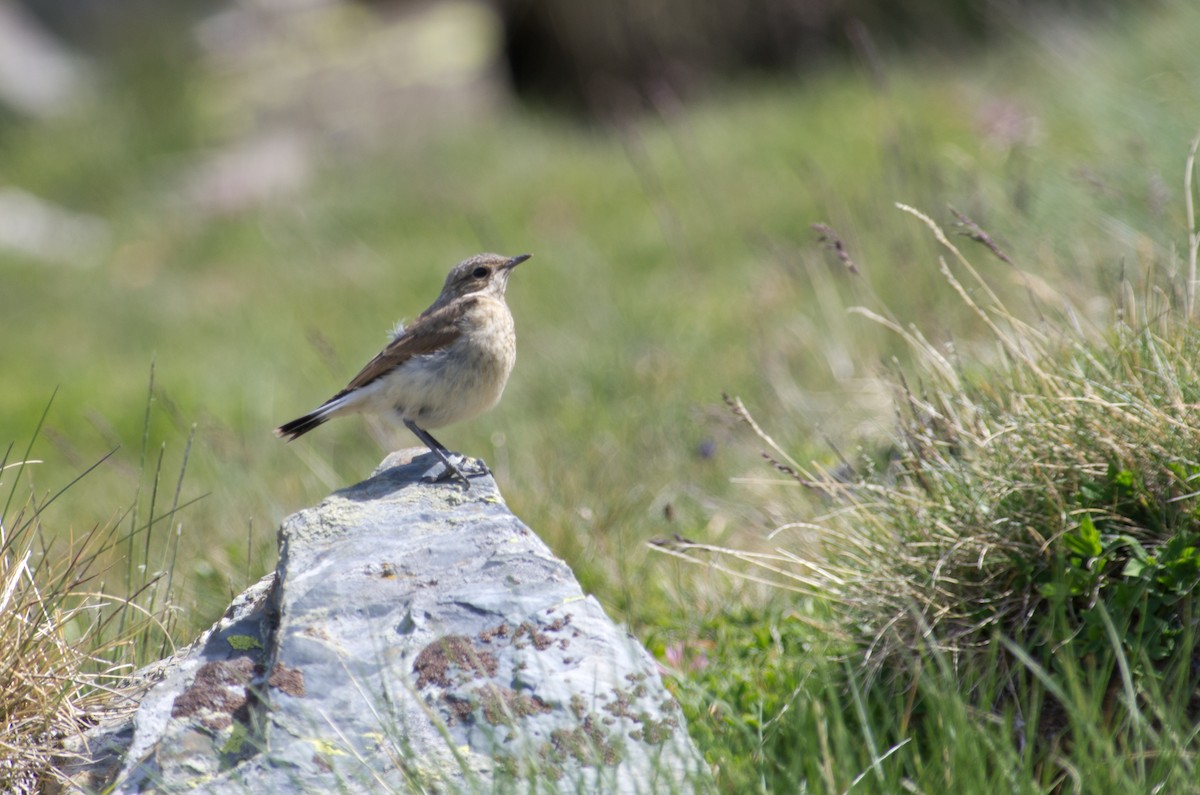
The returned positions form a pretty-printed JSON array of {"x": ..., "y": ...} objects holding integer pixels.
[{"x": 674, "y": 260}]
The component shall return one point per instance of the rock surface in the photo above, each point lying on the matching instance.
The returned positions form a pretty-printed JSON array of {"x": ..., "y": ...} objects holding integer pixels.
[{"x": 414, "y": 637}]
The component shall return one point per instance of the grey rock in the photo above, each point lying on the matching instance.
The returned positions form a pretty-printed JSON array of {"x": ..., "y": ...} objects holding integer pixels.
[
  {"x": 352, "y": 77},
  {"x": 39, "y": 76},
  {"x": 36, "y": 228},
  {"x": 415, "y": 637}
]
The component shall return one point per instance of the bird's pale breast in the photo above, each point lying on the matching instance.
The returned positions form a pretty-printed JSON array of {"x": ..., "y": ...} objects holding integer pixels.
[{"x": 457, "y": 383}]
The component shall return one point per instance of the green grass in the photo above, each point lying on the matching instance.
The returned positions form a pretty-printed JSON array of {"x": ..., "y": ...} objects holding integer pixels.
[{"x": 674, "y": 260}]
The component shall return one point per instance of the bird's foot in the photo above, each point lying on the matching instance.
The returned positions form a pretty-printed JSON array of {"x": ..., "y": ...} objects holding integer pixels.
[
  {"x": 460, "y": 471},
  {"x": 474, "y": 467}
]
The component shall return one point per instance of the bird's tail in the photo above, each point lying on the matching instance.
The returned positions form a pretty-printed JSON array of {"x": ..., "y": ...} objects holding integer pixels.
[{"x": 302, "y": 425}]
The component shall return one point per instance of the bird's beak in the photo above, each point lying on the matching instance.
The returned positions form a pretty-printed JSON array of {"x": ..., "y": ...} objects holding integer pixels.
[{"x": 515, "y": 261}]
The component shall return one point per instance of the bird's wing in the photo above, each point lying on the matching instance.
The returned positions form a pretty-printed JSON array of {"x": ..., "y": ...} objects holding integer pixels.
[{"x": 431, "y": 332}]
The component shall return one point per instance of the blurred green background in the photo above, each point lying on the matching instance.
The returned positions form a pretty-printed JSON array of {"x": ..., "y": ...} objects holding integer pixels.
[{"x": 247, "y": 199}]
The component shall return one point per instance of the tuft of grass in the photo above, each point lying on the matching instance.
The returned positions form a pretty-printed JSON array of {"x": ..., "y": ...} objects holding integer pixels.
[
  {"x": 1063, "y": 477},
  {"x": 1022, "y": 570},
  {"x": 68, "y": 639}
]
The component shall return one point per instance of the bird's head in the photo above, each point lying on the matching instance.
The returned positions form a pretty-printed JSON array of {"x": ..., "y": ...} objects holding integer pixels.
[{"x": 483, "y": 273}]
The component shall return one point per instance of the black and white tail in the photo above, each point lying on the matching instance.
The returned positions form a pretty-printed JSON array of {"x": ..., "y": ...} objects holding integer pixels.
[{"x": 302, "y": 425}]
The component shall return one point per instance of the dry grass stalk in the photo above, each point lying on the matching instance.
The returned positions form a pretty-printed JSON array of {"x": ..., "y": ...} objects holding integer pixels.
[
  {"x": 976, "y": 233},
  {"x": 831, "y": 241}
]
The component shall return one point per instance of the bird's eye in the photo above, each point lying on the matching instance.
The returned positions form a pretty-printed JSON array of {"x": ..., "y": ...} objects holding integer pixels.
[{"x": 480, "y": 273}]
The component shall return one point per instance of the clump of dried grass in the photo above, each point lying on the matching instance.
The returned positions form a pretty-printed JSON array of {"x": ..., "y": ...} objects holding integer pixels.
[
  {"x": 1018, "y": 495},
  {"x": 45, "y": 671},
  {"x": 66, "y": 643}
]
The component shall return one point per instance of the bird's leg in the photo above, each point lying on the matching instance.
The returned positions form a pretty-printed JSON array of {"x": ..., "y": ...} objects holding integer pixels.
[{"x": 438, "y": 449}]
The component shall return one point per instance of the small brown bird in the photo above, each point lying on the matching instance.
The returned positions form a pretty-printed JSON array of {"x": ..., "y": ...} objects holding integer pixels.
[{"x": 449, "y": 365}]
